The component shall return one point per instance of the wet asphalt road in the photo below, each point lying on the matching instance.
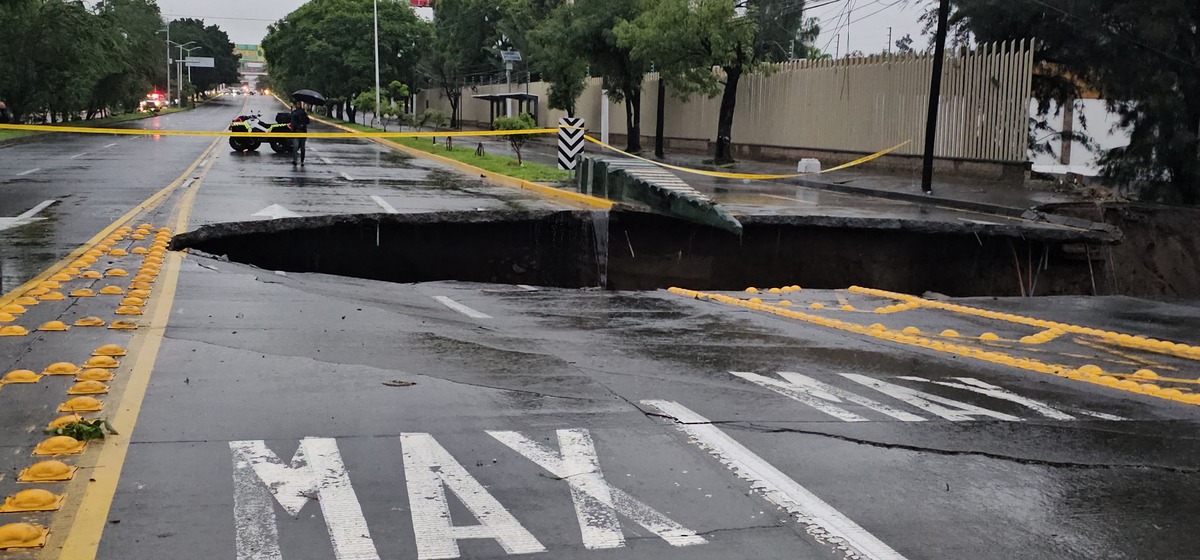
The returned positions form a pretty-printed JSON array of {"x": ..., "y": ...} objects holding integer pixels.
[{"x": 306, "y": 416}]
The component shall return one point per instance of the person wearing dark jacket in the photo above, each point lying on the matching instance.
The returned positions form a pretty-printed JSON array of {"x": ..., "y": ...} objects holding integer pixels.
[{"x": 298, "y": 123}]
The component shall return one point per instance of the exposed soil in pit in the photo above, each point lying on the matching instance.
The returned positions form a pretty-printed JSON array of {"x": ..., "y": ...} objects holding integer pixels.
[{"x": 625, "y": 250}]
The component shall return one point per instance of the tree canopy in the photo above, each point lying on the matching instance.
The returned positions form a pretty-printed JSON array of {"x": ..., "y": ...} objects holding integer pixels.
[{"x": 212, "y": 42}]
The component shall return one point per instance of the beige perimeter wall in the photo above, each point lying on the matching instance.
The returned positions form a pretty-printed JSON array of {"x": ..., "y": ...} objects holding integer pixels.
[{"x": 848, "y": 105}]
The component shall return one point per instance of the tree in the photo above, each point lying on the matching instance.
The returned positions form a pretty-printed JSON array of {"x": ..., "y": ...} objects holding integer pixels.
[
  {"x": 904, "y": 44},
  {"x": 1145, "y": 62},
  {"x": 365, "y": 102},
  {"x": 687, "y": 38},
  {"x": 521, "y": 122},
  {"x": 212, "y": 42},
  {"x": 463, "y": 39},
  {"x": 614, "y": 62},
  {"x": 556, "y": 52}
]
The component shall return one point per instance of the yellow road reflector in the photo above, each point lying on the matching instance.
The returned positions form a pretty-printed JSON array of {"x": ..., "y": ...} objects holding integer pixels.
[
  {"x": 6, "y": 317},
  {"x": 142, "y": 231},
  {"x": 1145, "y": 374},
  {"x": 89, "y": 274},
  {"x": 93, "y": 253},
  {"x": 153, "y": 259},
  {"x": 53, "y": 326},
  {"x": 87, "y": 260},
  {"x": 50, "y": 285},
  {"x": 165, "y": 230},
  {"x": 63, "y": 421},
  {"x": 90, "y": 387},
  {"x": 20, "y": 376},
  {"x": 81, "y": 404},
  {"x": 103, "y": 248},
  {"x": 52, "y": 296},
  {"x": 849, "y": 307},
  {"x": 36, "y": 292},
  {"x": 47, "y": 471},
  {"x": 139, "y": 251},
  {"x": 109, "y": 350},
  {"x": 61, "y": 368},
  {"x": 145, "y": 226},
  {"x": 13, "y": 309},
  {"x": 59, "y": 445},
  {"x": 129, "y": 310},
  {"x": 817, "y": 305},
  {"x": 60, "y": 277},
  {"x": 146, "y": 278},
  {"x": 141, "y": 284},
  {"x": 112, "y": 291},
  {"x": 139, "y": 293},
  {"x": 83, "y": 292},
  {"x": 775, "y": 291},
  {"x": 134, "y": 301},
  {"x": 70, "y": 271},
  {"x": 989, "y": 336},
  {"x": 13, "y": 330},
  {"x": 118, "y": 253},
  {"x": 125, "y": 229},
  {"x": 784, "y": 303},
  {"x": 1091, "y": 369},
  {"x": 137, "y": 237},
  {"x": 34, "y": 499},
  {"x": 26, "y": 301},
  {"x": 94, "y": 374},
  {"x": 22, "y": 535},
  {"x": 123, "y": 325},
  {"x": 101, "y": 362},
  {"x": 81, "y": 263},
  {"x": 116, "y": 272}
]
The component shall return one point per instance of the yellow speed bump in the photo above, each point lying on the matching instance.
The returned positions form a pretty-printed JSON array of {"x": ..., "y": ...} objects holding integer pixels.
[
  {"x": 47, "y": 471},
  {"x": 83, "y": 292},
  {"x": 88, "y": 388},
  {"x": 20, "y": 376},
  {"x": 12, "y": 309},
  {"x": 989, "y": 336},
  {"x": 38, "y": 292},
  {"x": 107, "y": 362},
  {"x": 115, "y": 272},
  {"x": 34, "y": 499},
  {"x": 52, "y": 296},
  {"x": 153, "y": 259},
  {"x": 63, "y": 421},
  {"x": 69, "y": 271},
  {"x": 123, "y": 325},
  {"x": 59, "y": 445},
  {"x": 80, "y": 263},
  {"x": 145, "y": 225},
  {"x": 53, "y": 326},
  {"x": 13, "y": 330},
  {"x": 61, "y": 368},
  {"x": 143, "y": 294},
  {"x": 142, "y": 231},
  {"x": 134, "y": 301},
  {"x": 94, "y": 374},
  {"x": 112, "y": 291},
  {"x": 90, "y": 274},
  {"x": 129, "y": 310},
  {"x": 93, "y": 253},
  {"x": 141, "y": 279},
  {"x": 89, "y": 322},
  {"x": 817, "y": 305},
  {"x": 22, "y": 535},
  {"x": 81, "y": 404},
  {"x": 118, "y": 252},
  {"x": 137, "y": 237},
  {"x": 139, "y": 251},
  {"x": 60, "y": 277},
  {"x": 26, "y": 301},
  {"x": 6, "y": 317},
  {"x": 109, "y": 350},
  {"x": 52, "y": 284}
]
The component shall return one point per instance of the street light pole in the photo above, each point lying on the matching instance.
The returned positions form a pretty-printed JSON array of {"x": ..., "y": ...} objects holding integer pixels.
[
  {"x": 377, "y": 59},
  {"x": 935, "y": 91}
]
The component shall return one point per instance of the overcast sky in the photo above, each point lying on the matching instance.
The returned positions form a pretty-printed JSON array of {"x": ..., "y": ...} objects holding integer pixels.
[{"x": 867, "y": 21}]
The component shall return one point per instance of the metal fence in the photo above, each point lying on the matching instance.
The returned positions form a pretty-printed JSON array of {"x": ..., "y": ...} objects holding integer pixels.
[{"x": 851, "y": 104}]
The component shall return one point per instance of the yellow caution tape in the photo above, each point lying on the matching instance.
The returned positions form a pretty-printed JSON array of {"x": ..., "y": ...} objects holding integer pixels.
[
  {"x": 756, "y": 176},
  {"x": 380, "y": 134}
]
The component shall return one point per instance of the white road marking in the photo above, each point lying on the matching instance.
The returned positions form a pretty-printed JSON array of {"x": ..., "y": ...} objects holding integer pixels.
[
  {"x": 977, "y": 386},
  {"x": 949, "y": 409},
  {"x": 316, "y": 472},
  {"x": 28, "y": 171},
  {"x": 77, "y": 156},
  {"x": 429, "y": 471},
  {"x": 527, "y": 288},
  {"x": 597, "y": 502},
  {"x": 383, "y": 203},
  {"x": 274, "y": 212},
  {"x": 25, "y": 217},
  {"x": 822, "y": 521},
  {"x": 110, "y": 145},
  {"x": 326, "y": 160},
  {"x": 820, "y": 396},
  {"x": 347, "y": 176},
  {"x": 461, "y": 308},
  {"x": 790, "y": 198}
]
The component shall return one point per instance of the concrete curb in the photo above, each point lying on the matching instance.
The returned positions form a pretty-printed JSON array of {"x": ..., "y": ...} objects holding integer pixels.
[{"x": 560, "y": 196}]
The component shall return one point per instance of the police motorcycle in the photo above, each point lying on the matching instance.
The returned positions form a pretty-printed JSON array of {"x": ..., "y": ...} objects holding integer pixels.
[{"x": 256, "y": 124}]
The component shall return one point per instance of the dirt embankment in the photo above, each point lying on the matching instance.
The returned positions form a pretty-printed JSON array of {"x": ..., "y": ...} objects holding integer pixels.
[{"x": 1159, "y": 255}]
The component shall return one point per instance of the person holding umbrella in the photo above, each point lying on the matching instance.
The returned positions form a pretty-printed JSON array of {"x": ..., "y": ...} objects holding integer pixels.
[{"x": 299, "y": 120}]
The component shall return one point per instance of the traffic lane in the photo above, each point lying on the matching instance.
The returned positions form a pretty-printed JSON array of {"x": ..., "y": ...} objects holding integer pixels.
[
  {"x": 177, "y": 492},
  {"x": 89, "y": 192},
  {"x": 553, "y": 362},
  {"x": 343, "y": 177}
]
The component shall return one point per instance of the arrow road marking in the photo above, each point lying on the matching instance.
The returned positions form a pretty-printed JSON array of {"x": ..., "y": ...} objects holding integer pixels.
[
  {"x": 383, "y": 203},
  {"x": 461, "y": 308},
  {"x": 823, "y": 522},
  {"x": 274, "y": 212},
  {"x": 26, "y": 217},
  {"x": 28, "y": 171}
]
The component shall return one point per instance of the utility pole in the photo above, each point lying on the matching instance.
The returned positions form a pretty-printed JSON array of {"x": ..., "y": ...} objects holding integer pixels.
[
  {"x": 889, "y": 43},
  {"x": 935, "y": 92},
  {"x": 377, "y": 60}
]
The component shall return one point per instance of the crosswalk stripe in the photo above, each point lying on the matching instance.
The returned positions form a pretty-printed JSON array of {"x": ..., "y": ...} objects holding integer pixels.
[{"x": 461, "y": 308}]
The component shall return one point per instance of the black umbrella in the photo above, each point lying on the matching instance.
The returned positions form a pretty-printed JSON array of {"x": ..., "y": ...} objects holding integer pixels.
[{"x": 309, "y": 96}]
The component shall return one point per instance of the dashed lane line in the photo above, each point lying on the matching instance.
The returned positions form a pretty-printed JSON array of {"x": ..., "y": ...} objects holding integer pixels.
[
  {"x": 384, "y": 204},
  {"x": 77, "y": 156},
  {"x": 823, "y": 521},
  {"x": 347, "y": 176},
  {"x": 29, "y": 171},
  {"x": 110, "y": 145},
  {"x": 461, "y": 308}
]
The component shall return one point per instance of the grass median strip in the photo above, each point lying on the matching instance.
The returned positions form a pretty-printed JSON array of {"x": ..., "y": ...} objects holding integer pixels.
[
  {"x": 8, "y": 134},
  {"x": 497, "y": 164}
]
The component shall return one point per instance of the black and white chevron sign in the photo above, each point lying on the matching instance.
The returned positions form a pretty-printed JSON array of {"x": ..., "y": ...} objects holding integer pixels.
[{"x": 570, "y": 141}]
